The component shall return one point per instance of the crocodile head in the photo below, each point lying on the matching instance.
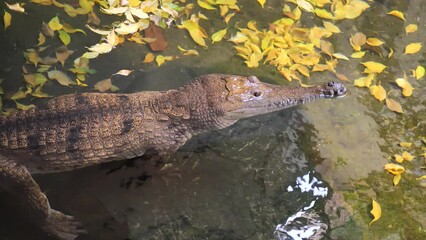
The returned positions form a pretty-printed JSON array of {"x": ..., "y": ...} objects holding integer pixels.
[{"x": 237, "y": 97}]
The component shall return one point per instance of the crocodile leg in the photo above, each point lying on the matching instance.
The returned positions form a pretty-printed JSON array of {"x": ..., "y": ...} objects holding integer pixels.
[{"x": 16, "y": 180}]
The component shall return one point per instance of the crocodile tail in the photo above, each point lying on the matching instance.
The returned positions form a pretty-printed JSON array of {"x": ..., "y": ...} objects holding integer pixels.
[{"x": 16, "y": 180}]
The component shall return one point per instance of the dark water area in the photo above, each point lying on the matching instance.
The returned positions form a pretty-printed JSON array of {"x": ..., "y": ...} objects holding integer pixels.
[{"x": 307, "y": 172}]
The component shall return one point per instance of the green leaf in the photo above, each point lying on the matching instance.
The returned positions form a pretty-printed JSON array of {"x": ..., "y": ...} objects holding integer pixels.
[{"x": 65, "y": 37}]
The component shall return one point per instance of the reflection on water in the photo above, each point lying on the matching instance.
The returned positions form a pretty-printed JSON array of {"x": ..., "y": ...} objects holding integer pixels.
[{"x": 305, "y": 224}]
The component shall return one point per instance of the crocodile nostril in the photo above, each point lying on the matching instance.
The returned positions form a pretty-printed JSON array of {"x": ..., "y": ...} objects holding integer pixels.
[{"x": 257, "y": 94}]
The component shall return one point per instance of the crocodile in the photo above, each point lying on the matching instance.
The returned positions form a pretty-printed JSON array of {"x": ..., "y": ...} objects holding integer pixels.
[{"x": 79, "y": 130}]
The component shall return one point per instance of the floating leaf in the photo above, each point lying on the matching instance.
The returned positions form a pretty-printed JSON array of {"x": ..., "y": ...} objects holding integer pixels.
[
  {"x": 65, "y": 37},
  {"x": 103, "y": 86},
  {"x": 70, "y": 29},
  {"x": 90, "y": 55},
  {"x": 124, "y": 72},
  {"x": 410, "y": 28},
  {"x": 405, "y": 144},
  {"x": 218, "y": 36},
  {"x": 160, "y": 59},
  {"x": 374, "y": 42},
  {"x": 115, "y": 11},
  {"x": 420, "y": 72},
  {"x": 196, "y": 32},
  {"x": 373, "y": 67},
  {"x": 407, "y": 156},
  {"x": 390, "y": 53},
  {"x": 305, "y": 5},
  {"x": 54, "y": 24},
  {"x": 359, "y": 54},
  {"x": 261, "y": 2},
  {"x": 41, "y": 39},
  {"x": 407, "y": 90},
  {"x": 101, "y": 48},
  {"x": 394, "y": 168},
  {"x": 16, "y": 7},
  {"x": 397, "y": 14},
  {"x": 331, "y": 27},
  {"x": 376, "y": 211},
  {"x": 340, "y": 56},
  {"x": 322, "y": 13},
  {"x": 398, "y": 158},
  {"x": 378, "y": 92},
  {"x": 413, "y": 48},
  {"x": 61, "y": 77},
  {"x": 393, "y": 105},
  {"x": 396, "y": 179},
  {"x": 127, "y": 28},
  {"x": 24, "y": 107},
  {"x": 7, "y": 19},
  {"x": 205, "y": 5},
  {"x": 149, "y": 57}
]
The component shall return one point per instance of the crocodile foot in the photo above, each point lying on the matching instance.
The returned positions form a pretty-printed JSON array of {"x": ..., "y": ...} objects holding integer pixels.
[{"x": 62, "y": 226}]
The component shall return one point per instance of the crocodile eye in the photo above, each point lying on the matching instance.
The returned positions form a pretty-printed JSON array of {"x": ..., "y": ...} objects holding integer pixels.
[{"x": 257, "y": 93}]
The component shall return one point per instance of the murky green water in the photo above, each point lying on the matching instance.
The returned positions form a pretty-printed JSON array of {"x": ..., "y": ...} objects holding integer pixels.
[{"x": 312, "y": 168}]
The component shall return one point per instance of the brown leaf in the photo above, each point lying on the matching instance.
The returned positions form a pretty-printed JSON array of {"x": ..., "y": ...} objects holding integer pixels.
[
  {"x": 393, "y": 105},
  {"x": 62, "y": 54},
  {"x": 103, "y": 85},
  {"x": 47, "y": 31},
  {"x": 160, "y": 43}
]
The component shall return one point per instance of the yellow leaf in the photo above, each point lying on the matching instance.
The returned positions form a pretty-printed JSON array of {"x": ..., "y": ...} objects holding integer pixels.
[
  {"x": 398, "y": 158},
  {"x": 305, "y": 5},
  {"x": 374, "y": 42},
  {"x": 322, "y": 13},
  {"x": 378, "y": 92},
  {"x": 331, "y": 27},
  {"x": 127, "y": 28},
  {"x": 396, "y": 179},
  {"x": 228, "y": 17},
  {"x": 54, "y": 24},
  {"x": 397, "y": 14},
  {"x": 390, "y": 53},
  {"x": 115, "y": 11},
  {"x": 373, "y": 67},
  {"x": 359, "y": 54},
  {"x": 407, "y": 156},
  {"x": 191, "y": 52},
  {"x": 394, "y": 168},
  {"x": 407, "y": 90},
  {"x": 24, "y": 107},
  {"x": 410, "y": 28},
  {"x": 405, "y": 144},
  {"x": 16, "y": 7},
  {"x": 376, "y": 211},
  {"x": 7, "y": 19},
  {"x": 340, "y": 56},
  {"x": 196, "y": 32},
  {"x": 62, "y": 54},
  {"x": 205, "y": 5},
  {"x": 413, "y": 48},
  {"x": 420, "y": 72},
  {"x": 123, "y": 72},
  {"x": 61, "y": 77},
  {"x": 160, "y": 59},
  {"x": 218, "y": 36},
  {"x": 90, "y": 55},
  {"x": 101, "y": 48},
  {"x": 149, "y": 57},
  {"x": 422, "y": 177},
  {"x": 393, "y": 105},
  {"x": 261, "y": 2},
  {"x": 65, "y": 37},
  {"x": 41, "y": 39}
]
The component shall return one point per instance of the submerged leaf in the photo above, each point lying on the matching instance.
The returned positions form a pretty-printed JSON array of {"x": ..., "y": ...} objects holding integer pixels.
[
  {"x": 7, "y": 18},
  {"x": 103, "y": 85},
  {"x": 61, "y": 77},
  {"x": 376, "y": 211},
  {"x": 393, "y": 105},
  {"x": 411, "y": 28}
]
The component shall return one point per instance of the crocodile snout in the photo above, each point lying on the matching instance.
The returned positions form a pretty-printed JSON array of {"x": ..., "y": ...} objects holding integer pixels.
[{"x": 334, "y": 89}]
